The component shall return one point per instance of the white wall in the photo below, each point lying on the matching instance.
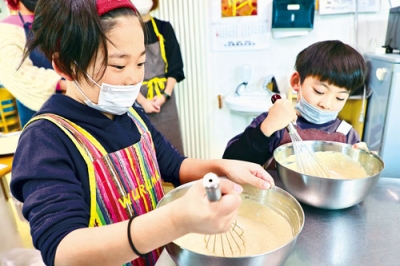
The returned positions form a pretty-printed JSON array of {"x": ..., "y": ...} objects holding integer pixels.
[
  {"x": 278, "y": 59},
  {"x": 221, "y": 68}
]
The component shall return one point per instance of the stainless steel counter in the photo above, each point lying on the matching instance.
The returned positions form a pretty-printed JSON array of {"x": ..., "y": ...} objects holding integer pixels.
[{"x": 365, "y": 234}]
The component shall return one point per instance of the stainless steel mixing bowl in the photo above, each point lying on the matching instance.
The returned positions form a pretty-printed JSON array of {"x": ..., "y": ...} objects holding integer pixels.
[
  {"x": 278, "y": 199},
  {"x": 324, "y": 192}
]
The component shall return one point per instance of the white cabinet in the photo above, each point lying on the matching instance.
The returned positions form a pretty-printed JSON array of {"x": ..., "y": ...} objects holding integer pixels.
[{"x": 382, "y": 124}]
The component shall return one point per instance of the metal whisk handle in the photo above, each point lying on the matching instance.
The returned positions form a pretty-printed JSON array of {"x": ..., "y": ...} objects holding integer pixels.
[{"x": 211, "y": 185}]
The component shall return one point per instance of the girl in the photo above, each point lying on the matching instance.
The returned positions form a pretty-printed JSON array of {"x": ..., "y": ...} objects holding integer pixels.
[{"x": 88, "y": 163}]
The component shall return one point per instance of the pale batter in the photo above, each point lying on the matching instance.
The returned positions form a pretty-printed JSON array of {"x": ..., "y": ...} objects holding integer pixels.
[
  {"x": 339, "y": 165},
  {"x": 263, "y": 230}
]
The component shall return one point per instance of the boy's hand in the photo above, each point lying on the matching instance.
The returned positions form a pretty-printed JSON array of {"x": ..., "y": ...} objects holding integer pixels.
[
  {"x": 279, "y": 116},
  {"x": 363, "y": 146}
]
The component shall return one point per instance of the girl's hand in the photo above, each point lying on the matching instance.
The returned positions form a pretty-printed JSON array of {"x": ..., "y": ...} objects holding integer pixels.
[
  {"x": 196, "y": 214},
  {"x": 279, "y": 116},
  {"x": 243, "y": 172}
]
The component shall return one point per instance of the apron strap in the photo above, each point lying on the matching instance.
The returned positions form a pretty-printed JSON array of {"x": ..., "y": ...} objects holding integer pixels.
[
  {"x": 344, "y": 127},
  {"x": 161, "y": 41},
  {"x": 88, "y": 160},
  {"x": 155, "y": 84},
  {"x": 71, "y": 130}
]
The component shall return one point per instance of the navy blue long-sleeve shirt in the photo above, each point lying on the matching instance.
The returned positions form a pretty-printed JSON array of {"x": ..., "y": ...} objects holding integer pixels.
[{"x": 50, "y": 176}]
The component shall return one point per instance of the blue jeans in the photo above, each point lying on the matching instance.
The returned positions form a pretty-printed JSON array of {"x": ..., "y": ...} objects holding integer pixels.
[{"x": 25, "y": 114}]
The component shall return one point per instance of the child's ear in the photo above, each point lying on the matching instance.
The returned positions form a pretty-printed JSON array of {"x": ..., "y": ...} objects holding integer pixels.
[
  {"x": 59, "y": 72},
  {"x": 295, "y": 81}
]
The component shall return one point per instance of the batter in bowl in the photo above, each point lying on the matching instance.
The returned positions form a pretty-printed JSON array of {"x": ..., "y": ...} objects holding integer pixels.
[
  {"x": 264, "y": 229},
  {"x": 339, "y": 165}
]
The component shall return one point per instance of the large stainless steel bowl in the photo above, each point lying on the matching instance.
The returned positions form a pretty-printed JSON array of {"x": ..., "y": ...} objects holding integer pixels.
[
  {"x": 276, "y": 198},
  {"x": 329, "y": 193}
]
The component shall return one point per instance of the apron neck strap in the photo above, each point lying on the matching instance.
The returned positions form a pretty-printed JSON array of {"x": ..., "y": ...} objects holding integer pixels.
[{"x": 161, "y": 41}]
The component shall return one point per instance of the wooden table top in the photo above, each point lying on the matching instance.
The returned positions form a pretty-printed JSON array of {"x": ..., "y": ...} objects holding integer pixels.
[{"x": 6, "y": 160}]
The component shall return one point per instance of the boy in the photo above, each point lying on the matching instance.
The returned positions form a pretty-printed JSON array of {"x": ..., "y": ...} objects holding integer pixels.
[{"x": 326, "y": 73}]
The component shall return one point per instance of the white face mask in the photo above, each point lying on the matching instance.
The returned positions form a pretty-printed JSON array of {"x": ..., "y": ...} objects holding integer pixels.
[
  {"x": 143, "y": 6},
  {"x": 313, "y": 114},
  {"x": 113, "y": 99}
]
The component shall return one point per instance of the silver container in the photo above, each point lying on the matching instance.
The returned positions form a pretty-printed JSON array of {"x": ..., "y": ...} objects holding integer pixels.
[
  {"x": 324, "y": 192},
  {"x": 276, "y": 198}
]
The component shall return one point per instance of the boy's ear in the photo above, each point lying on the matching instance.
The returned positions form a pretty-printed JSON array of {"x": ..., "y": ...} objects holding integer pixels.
[
  {"x": 295, "y": 81},
  {"x": 56, "y": 69}
]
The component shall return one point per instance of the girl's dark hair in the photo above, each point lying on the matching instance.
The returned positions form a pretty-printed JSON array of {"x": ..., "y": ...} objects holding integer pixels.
[
  {"x": 71, "y": 33},
  {"x": 333, "y": 62}
]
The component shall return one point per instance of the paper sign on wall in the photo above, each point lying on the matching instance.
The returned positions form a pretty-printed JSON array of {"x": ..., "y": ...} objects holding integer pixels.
[
  {"x": 328, "y": 7},
  {"x": 240, "y": 24}
]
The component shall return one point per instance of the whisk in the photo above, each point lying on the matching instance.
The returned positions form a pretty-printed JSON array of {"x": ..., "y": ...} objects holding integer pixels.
[
  {"x": 306, "y": 161},
  {"x": 230, "y": 242}
]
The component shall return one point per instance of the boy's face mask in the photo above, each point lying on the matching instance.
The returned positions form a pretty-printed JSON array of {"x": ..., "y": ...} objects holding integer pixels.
[
  {"x": 313, "y": 114},
  {"x": 113, "y": 99}
]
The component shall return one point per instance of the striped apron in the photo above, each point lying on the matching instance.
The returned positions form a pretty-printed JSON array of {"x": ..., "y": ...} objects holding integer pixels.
[{"x": 123, "y": 183}]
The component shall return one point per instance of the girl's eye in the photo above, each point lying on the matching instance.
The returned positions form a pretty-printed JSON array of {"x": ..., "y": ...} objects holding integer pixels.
[
  {"x": 340, "y": 99},
  {"x": 118, "y": 67},
  {"x": 141, "y": 64}
]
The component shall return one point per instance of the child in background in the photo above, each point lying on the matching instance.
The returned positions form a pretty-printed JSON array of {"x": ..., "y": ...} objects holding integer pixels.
[
  {"x": 33, "y": 81},
  {"x": 163, "y": 70},
  {"x": 88, "y": 163},
  {"x": 326, "y": 74}
]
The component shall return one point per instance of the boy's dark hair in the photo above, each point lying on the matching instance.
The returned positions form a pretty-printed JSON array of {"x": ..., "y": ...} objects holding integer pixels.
[
  {"x": 71, "y": 33},
  {"x": 333, "y": 62}
]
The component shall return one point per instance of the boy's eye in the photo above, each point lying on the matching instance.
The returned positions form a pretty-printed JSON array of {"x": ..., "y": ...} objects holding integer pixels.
[
  {"x": 318, "y": 92},
  {"x": 340, "y": 99},
  {"x": 141, "y": 64}
]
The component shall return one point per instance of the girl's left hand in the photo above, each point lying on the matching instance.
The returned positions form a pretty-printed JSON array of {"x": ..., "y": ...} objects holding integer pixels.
[{"x": 248, "y": 173}]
